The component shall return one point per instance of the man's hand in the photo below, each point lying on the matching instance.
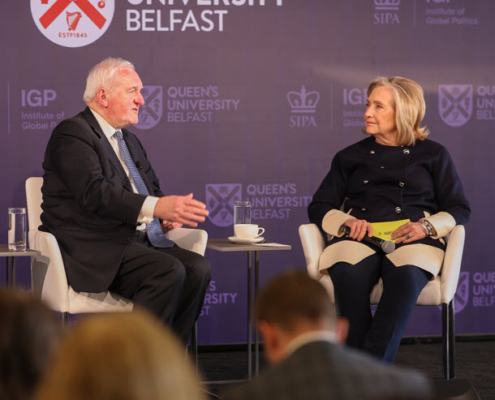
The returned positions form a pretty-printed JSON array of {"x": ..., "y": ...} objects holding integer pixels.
[
  {"x": 181, "y": 209},
  {"x": 168, "y": 226}
]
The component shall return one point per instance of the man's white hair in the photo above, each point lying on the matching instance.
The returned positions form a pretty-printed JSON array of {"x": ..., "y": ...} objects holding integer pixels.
[{"x": 102, "y": 75}]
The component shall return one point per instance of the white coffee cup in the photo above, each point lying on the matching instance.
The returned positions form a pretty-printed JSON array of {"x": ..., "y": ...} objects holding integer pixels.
[{"x": 248, "y": 231}]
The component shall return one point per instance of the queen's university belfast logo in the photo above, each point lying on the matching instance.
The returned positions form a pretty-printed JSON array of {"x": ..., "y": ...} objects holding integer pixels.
[
  {"x": 220, "y": 202},
  {"x": 455, "y": 104},
  {"x": 151, "y": 112},
  {"x": 71, "y": 23}
]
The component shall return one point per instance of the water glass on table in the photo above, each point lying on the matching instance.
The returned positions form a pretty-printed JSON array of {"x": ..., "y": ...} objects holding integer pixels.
[
  {"x": 17, "y": 229},
  {"x": 243, "y": 228},
  {"x": 242, "y": 212}
]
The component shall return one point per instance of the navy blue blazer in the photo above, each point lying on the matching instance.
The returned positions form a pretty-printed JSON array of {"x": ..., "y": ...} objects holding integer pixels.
[
  {"x": 88, "y": 202},
  {"x": 386, "y": 183}
]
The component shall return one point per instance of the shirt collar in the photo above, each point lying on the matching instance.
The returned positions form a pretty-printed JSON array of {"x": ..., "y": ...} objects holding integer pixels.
[
  {"x": 315, "y": 336},
  {"x": 107, "y": 129}
]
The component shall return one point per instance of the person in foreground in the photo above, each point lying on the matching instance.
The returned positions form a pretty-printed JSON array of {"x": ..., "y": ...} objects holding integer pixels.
[
  {"x": 29, "y": 335},
  {"x": 395, "y": 174},
  {"x": 302, "y": 339},
  {"x": 127, "y": 356},
  {"x": 103, "y": 203}
]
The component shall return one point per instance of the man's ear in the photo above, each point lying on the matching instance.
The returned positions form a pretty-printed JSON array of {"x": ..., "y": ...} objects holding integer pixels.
[
  {"x": 342, "y": 329},
  {"x": 268, "y": 332},
  {"x": 102, "y": 97},
  {"x": 271, "y": 340}
]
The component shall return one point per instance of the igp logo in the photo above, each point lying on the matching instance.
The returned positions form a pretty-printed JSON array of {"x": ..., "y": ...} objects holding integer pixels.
[
  {"x": 151, "y": 113},
  {"x": 72, "y": 23},
  {"x": 455, "y": 103},
  {"x": 220, "y": 201}
]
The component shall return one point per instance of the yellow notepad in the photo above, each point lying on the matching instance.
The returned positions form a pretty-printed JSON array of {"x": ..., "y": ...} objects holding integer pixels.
[{"x": 384, "y": 230}]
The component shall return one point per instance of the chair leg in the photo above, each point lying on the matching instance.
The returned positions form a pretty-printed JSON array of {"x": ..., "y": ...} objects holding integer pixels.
[
  {"x": 194, "y": 345},
  {"x": 448, "y": 340}
]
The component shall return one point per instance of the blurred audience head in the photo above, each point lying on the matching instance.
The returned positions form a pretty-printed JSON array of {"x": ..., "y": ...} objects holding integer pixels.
[
  {"x": 291, "y": 305},
  {"x": 128, "y": 356},
  {"x": 29, "y": 333}
]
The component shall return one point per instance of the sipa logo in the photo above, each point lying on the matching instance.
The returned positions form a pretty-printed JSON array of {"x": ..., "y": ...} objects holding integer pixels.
[
  {"x": 386, "y": 12},
  {"x": 220, "y": 200},
  {"x": 72, "y": 23},
  {"x": 387, "y": 5},
  {"x": 303, "y": 105},
  {"x": 151, "y": 113},
  {"x": 455, "y": 103}
]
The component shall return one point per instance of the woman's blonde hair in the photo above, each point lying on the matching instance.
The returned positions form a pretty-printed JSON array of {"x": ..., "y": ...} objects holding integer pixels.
[
  {"x": 410, "y": 107},
  {"x": 128, "y": 356}
]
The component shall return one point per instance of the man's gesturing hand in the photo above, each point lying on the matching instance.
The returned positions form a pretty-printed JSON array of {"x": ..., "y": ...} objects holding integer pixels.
[{"x": 182, "y": 209}]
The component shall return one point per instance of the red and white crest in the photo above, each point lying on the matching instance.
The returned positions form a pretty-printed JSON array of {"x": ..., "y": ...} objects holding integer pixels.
[{"x": 72, "y": 23}]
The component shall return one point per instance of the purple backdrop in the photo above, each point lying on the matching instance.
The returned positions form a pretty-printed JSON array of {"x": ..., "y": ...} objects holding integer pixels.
[{"x": 252, "y": 98}]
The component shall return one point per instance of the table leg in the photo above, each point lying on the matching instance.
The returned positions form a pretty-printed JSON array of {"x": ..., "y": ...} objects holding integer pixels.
[
  {"x": 250, "y": 317},
  {"x": 13, "y": 272},
  {"x": 257, "y": 335},
  {"x": 7, "y": 271},
  {"x": 33, "y": 265}
]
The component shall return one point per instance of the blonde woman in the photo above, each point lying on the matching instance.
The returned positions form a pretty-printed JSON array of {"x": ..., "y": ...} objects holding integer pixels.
[
  {"x": 127, "y": 356},
  {"x": 393, "y": 175}
]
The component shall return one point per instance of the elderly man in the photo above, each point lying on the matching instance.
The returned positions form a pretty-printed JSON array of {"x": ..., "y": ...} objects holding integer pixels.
[
  {"x": 302, "y": 340},
  {"x": 102, "y": 201}
]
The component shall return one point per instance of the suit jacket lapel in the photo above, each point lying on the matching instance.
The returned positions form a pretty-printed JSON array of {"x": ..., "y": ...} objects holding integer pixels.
[{"x": 109, "y": 151}]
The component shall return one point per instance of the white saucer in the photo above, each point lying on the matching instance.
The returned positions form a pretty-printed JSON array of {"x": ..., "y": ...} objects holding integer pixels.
[{"x": 237, "y": 240}]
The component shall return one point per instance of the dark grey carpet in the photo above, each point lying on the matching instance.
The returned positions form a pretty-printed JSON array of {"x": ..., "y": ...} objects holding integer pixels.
[{"x": 475, "y": 361}]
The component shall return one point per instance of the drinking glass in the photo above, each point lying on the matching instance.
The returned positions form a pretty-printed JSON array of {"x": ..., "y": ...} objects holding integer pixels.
[
  {"x": 17, "y": 229},
  {"x": 242, "y": 212}
]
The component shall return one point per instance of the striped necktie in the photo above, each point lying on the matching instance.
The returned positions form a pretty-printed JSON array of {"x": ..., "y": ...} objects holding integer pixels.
[{"x": 153, "y": 229}]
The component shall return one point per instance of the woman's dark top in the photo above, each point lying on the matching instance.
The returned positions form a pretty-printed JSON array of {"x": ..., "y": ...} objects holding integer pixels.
[{"x": 386, "y": 183}]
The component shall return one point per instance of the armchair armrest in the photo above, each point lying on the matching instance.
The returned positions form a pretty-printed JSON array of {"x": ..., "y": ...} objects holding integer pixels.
[
  {"x": 451, "y": 268},
  {"x": 313, "y": 245},
  {"x": 48, "y": 276}
]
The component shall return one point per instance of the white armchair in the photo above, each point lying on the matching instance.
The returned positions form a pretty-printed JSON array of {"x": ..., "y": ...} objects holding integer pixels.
[
  {"x": 48, "y": 278},
  {"x": 439, "y": 291}
]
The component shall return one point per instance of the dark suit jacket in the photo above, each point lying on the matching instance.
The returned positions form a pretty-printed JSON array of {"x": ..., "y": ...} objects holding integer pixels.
[
  {"x": 325, "y": 371},
  {"x": 88, "y": 201}
]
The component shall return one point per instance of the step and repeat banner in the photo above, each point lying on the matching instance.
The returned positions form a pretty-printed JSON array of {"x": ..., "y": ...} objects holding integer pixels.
[{"x": 251, "y": 99}]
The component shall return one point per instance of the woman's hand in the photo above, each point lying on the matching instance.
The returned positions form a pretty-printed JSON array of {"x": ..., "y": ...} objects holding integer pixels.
[
  {"x": 409, "y": 232},
  {"x": 359, "y": 228}
]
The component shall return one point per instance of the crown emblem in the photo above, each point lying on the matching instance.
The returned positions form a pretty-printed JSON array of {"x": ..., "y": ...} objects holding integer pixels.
[
  {"x": 303, "y": 102},
  {"x": 382, "y": 5}
]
